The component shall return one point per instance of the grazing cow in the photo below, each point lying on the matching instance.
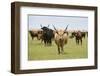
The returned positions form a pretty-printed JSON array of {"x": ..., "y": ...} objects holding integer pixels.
[
  {"x": 78, "y": 37},
  {"x": 47, "y": 35},
  {"x": 83, "y": 34},
  {"x": 40, "y": 34},
  {"x": 61, "y": 38},
  {"x": 36, "y": 33},
  {"x": 73, "y": 34},
  {"x": 87, "y": 34}
]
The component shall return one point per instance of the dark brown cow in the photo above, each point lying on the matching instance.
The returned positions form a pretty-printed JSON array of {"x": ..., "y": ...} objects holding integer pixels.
[{"x": 78, "y": 36}]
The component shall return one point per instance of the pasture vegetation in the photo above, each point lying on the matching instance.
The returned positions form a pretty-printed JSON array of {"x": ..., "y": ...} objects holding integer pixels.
[{"x": 37, "y": 50}]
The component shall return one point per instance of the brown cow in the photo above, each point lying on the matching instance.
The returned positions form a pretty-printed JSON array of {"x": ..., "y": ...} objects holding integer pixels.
[
  {"x": 36, "y": 33},
  {"x": 78, "y": 36}
]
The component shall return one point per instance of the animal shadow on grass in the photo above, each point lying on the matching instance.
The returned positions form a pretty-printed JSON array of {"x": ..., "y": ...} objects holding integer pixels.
[
  {"x": 39, "y": 44},
  {"x": 64, "y": 53},
  {"x": 36, "y": 44}
]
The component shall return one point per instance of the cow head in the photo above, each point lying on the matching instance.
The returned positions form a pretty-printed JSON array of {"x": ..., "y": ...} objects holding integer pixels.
[
  {"x": 44, "y": 28},
  {"x": 60, "y": 33}
]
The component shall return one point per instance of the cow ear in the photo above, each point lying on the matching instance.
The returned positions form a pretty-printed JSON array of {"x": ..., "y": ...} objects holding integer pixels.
[
  {"x": 57, "y": 32},
  {"x": 65, "y": 32}
]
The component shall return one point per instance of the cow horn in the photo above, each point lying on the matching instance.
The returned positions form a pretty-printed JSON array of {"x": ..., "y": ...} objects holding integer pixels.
[
  {"x": 55, "y": 29},
  {"x": 41, "y": 25},
  {"x": 48, "y": 25},
  {"x": 66, "y": 28}
]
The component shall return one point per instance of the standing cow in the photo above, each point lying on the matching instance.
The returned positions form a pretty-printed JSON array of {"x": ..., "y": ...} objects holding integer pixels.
[
  {"x": 61, "y": 38},
  {"x": 36, "y": 33},
  {"x": 78, "y": 36},
  {"x": 83, "y": 34},
  {"x": 47, "y": 35}
]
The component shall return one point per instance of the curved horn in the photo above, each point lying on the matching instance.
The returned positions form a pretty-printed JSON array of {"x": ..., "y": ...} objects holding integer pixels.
[
  {"x": 55, "y": 29},
  {"x": 66, "y": 28},
  {"x": 48, "y": 25},
  {"x": 41, "y": 25}
]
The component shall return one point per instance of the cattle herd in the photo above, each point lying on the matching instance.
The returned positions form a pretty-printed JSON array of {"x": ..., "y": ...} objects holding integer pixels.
[{"x": 47, "y": 35}]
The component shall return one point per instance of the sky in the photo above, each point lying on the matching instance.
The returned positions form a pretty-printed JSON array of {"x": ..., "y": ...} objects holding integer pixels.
[{"x": 60, "y": 22}]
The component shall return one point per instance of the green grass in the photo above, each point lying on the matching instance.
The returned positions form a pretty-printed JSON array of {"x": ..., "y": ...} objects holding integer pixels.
[{"x": 37, "y": 50}]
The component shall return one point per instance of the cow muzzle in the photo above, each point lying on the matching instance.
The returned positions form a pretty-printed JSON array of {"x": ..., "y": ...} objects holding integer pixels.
[{"x": 61, "y": 40}]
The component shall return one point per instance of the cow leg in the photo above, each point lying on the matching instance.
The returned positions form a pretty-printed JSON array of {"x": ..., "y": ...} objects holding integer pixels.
[
  {"x": 81, "y": 41},
  {"x": 76, "y": 41},
  {"x": 58, "y": 50},
  {"x": 84, "y": 36},
  {"x": 32, "y": 38},
  {"x": 45, "y": 42},
  {"x": 37, "y": 37},
  {"x": 50, "y": 42},
  {"x": 62, "y": 49},
  {"x": 41, "y": 40}
]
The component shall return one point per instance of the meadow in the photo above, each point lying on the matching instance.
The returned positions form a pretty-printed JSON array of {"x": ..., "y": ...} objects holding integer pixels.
[{"x": 38, "y": 51}]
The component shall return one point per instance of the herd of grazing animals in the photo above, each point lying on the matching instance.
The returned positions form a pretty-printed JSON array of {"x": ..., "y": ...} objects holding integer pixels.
[{"x": 46, "y": 35}]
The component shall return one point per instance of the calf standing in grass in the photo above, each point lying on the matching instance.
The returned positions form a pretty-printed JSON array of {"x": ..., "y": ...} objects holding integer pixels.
[{"x": 61, "y": 38}]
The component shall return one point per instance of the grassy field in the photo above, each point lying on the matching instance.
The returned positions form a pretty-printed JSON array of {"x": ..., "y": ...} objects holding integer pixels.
[{"x": 37, "y": 50}]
